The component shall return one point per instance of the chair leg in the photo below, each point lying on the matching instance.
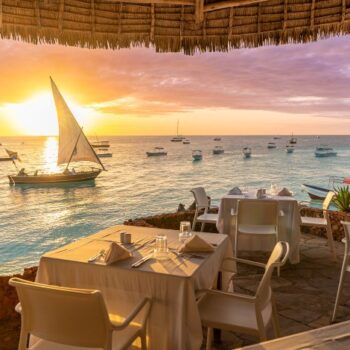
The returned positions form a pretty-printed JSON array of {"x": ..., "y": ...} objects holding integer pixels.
[
  {"x": 209, "y": 338},
  {"x": 275, "y": 321},
  {"x": 340, "y": 287},
  {"x": 23, "y": 340},
  {"x": 143, "y": 341},
  {"x": 261, "y": 327},
  {"x": 202, "y": 227},
  {"x": 194, "y": 220},
  {"x": 331, "y": 242}
]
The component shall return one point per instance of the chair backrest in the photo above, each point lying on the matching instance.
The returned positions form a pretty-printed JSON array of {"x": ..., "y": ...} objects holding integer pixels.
[
  {"x": 257, "y": 212},
  {"x": 346, "y": 226},
  {"x": 66, "y": 316},
  {"x": 200, "y": 197},
  {"x": 277, "y": 258},
  {"x": 328, "y": 200}
]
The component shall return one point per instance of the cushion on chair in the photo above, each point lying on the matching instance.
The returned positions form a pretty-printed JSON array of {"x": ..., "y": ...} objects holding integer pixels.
[
  {"x": 209, "y": 218},
  {"x": 308, "y": 221},
  {"x": 257, "y": 229},
  {"x": 225, "y": 312}
]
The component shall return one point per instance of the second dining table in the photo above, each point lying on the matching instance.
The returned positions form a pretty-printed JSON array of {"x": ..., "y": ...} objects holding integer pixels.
[
  {"x": 288, "y": 224},
  {"x": 171, "y": 284}
]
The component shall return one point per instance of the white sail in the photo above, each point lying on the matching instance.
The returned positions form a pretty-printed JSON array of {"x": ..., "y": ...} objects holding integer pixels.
[{"x": 73, "y": 145}]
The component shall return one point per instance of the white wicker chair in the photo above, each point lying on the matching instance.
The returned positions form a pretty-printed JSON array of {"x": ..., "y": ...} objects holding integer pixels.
[
  {"x": 242, "y": 313},
  {"x": 323, "y": 222},
  {"x": 69, "y": 318},
  {"x": 202, "y": 203}
]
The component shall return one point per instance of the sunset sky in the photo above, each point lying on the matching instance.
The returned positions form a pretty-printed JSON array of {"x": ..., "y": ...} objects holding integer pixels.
[{"x": 271, "y": 90}]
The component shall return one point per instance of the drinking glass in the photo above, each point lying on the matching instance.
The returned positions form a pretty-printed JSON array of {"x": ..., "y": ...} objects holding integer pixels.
[
  {"x": 185, "y": 230},
  {"x": 161, "y": 247}
]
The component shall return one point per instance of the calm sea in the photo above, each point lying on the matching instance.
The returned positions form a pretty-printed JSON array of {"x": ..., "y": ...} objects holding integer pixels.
[{"x": 34, "y": 220}]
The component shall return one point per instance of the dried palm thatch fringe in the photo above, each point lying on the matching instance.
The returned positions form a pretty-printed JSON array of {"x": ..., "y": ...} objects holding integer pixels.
[{"x": 172, "y": 26}]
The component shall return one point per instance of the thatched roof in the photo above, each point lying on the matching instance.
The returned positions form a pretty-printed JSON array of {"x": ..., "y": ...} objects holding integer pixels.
[{"x": 173, "y": 25}]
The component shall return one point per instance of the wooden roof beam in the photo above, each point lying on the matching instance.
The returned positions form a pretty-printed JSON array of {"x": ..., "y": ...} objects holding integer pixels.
[
  {"x": 172, "y": 2},
  {"x": 230, "y": 3}
]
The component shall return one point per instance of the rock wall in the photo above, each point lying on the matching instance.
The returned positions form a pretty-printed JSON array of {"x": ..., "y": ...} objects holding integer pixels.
[{"x": 10, "y": 321}]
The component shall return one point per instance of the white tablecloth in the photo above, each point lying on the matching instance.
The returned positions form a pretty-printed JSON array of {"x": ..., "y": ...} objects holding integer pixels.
[
  {"x": 288, "y": 230},
  {"x": 171, "y": 284}
]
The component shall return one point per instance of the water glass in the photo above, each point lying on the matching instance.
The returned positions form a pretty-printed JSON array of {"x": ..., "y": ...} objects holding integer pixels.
[
  {"x": 185, "y": 230},
  {"x": 161, "y": 247}
]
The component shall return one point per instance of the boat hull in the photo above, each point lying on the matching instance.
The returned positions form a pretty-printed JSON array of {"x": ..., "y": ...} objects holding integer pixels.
[
  {"x": 156, "y": 154},
  {"x": 105, "y": 155},
  {"x": 323, "y": 155},
  {"x": 54, "y": 178},
  {"x": 218, "y": 152},
  {"x": 5, "y": 159},
  {"x": 316, "y": 192}
]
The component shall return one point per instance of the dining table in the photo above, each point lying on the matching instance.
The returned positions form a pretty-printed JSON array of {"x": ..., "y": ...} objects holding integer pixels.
[
  {"x": 171, "y": 284},
  {"x": 288, "y": 223}
]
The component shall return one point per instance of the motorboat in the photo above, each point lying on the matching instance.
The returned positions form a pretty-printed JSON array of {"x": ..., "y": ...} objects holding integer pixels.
[
  {"x": 324, "y": 151},
  {"x": 293, "y": 140},
  {"x": 247, "y": 152},
  {"x": 217, "y": 139},
  {"x": 218, "y": 150},
  {"x": 157, "y": 151},
  {"x": 271, "y": 145},
  {"x": 73, "y": 146},
  {"x": 290, "y": 148},
  {"x": 186, "y": 142},
  {"x": 197, "y": 155}
]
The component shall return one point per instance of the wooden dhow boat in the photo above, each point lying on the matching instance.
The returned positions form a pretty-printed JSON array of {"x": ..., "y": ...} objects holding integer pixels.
[
  {"x": 73, "y": 147},
  {"x": 11, "y": 156}
]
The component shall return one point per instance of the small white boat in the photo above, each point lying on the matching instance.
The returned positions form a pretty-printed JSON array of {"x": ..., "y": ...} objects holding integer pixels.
[
  {"x": 197, "y": 155},
  {"x": 217, "y": 139},
  {"x": 271, "y": 145},
  {"x": 218, "y": 150},
  {"x": 247, "y": 152},
  {"x": 290, "y": 148},
  {"x": 325, "y": 151},
  {"x": 157, "y": 151},
  {"x": 186, "y": 142}
]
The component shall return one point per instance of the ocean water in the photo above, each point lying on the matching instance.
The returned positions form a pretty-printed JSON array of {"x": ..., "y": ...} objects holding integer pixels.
[{"x": 34, "y": 220}]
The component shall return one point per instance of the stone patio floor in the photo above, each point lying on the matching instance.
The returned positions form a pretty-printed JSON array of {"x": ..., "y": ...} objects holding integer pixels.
[{"x": 305, "y": 292}]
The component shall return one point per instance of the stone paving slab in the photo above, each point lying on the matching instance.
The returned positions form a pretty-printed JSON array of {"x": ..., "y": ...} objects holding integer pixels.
[{"x": 305, "y": 293}]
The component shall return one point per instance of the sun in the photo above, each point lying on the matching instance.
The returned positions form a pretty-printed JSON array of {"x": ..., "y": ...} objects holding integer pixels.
[{"x": 36, "y": 116}]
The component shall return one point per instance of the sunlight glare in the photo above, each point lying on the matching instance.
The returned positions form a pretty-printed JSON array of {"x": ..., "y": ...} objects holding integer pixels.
[{"x": 50, "y": 154}]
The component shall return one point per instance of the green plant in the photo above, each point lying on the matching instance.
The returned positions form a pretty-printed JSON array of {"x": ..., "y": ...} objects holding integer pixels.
[{"x": 342, "y": 198}]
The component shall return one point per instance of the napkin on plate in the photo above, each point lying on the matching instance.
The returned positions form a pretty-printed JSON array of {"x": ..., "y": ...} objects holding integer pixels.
[
  {"x": 235, "y": 191},
  {"x": 196, "y": 244},
  {"x": 115, "y": 252},
  {"x": 285, "y": 192}
]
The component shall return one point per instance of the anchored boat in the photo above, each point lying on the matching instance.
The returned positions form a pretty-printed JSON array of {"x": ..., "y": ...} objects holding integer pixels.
[
  {"x": 271, "y": 145},
  {"x": 157, "y": 151},
  {"x": 197, "y": 155},
  {"x": 73, "y": 147},
  {"x": 11, "y": 156},
  {"x": 218, "y": 150},
  {"x": 289, "y": 148},
  {"x": 325, "y": 151},
  {"x": 247, "y": 152},
  {"x": 177, "y": 138}
]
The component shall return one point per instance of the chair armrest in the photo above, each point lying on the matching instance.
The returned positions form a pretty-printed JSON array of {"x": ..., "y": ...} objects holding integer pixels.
[
  {"x": 144, "y": 303},
  {"x": 244, "y": 261},
  {"x": 243, "y": 297}
]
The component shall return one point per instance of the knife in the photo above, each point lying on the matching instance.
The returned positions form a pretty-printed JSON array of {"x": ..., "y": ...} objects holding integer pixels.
[{"x": 141, "y": 261}]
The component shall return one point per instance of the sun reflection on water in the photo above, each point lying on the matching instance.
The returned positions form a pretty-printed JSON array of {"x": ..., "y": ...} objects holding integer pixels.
[{"x": 50, "y": 154}]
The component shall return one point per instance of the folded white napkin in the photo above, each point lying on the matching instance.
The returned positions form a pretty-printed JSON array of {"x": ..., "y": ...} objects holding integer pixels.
[
  {"x": 196, "y": 244},
  {"x": 285, "y": 192},
  {"x": 115, "y": 252},
  {"x": 235, "y": 191}
]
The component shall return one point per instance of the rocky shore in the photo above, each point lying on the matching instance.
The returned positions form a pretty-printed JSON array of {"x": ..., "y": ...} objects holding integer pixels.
[{"x": 10, "y": 320}]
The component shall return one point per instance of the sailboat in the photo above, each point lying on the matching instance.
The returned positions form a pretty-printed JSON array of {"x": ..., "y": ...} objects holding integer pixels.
[
  {"x": 10, "y": 156},
  {"x": 73, "y": 147},
  {"x": 177, "y": 138}
]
